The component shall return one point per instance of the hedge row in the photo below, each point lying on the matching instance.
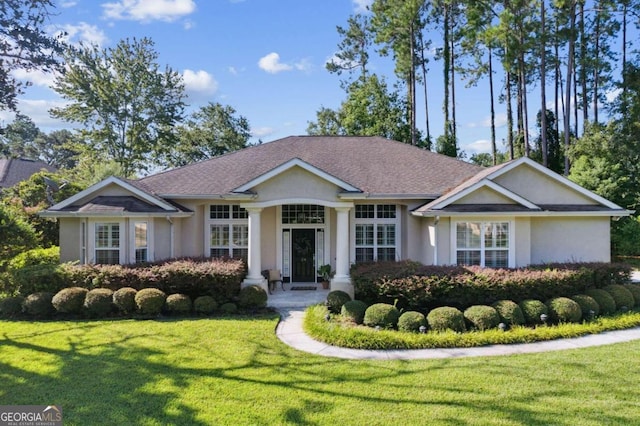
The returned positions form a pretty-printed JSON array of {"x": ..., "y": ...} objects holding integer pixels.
[
  {"x": 414, "y": 286},
  {"x": 219, "y": 278}
]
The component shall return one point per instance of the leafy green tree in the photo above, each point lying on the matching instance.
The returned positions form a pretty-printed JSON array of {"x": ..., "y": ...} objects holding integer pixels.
[
  {"x": 126, "y": 104},
  {"x": 213, "y": 130},
  {"x": 554, "y": 151},
  {"x": 487, "y": 160},
  {"x": 24, "y": 45},
  {"x": 60, "y": 148},
  {"x": 353, "y": 50},
  {"x": 22, "y": 138},
  {"x": 16, "y": 234}
]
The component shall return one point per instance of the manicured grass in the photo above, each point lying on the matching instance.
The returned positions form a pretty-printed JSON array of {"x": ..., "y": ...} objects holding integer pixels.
[{"x": 235, "y": 371}]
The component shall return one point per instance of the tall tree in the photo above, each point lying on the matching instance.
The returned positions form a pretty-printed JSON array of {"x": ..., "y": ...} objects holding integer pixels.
[
  {"x": 22, "y": 138},
  {"x": 353, "y": 49},
  {"x": 126, "y": 104}
]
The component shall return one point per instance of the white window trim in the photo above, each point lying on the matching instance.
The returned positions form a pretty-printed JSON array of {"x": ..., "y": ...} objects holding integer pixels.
[
  {"x": 91, "y": 243},
  {"x": 230, "y": 222},
  {"x": 132, "y": 239},
  {"x": 375, "y": 221},
  {"x": 512, "y": 237}
]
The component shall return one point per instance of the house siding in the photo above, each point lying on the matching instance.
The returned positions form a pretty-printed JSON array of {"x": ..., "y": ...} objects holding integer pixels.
[{"x": 70, "y": 239}]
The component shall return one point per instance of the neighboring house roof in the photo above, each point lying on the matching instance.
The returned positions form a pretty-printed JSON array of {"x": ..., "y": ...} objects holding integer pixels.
[
  {"x": 15, "y": 170},
  {"x": 371, "y": 164}
]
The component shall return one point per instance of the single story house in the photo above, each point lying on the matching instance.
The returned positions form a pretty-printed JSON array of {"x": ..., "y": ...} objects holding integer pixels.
[{"x": 303, "y": 201}]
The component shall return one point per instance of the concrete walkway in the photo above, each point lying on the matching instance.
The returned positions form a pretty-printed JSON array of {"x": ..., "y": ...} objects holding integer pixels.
[{"x": 289, "y": 330}]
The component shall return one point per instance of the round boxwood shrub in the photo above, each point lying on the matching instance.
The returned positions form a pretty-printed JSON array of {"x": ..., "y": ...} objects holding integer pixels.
[
  {"x": 532, "y": 310},
  {"x": 252, "y": 297},
  {"x": 335, "y": 300},
  {"x": 11, "y": 306},
  {"x": 125, "y": 299},
  {"x": 38, "y": 304},
  {"x": 635, "y": 291},
  {"x": 204, "y": 305},
  {"x": 69, "y": 300},
  {"x": 446, "y": 318},
  {"x": 229, "y": 308},
  {"x": 149, "y": 301},
  {"x": 411, "y": 321},
  {"x": 381, "y": 315},
  {"x": 354, "y": 310},
  {"x": 587, "y": 304},
  {"x": 621, "y": 295},
  {"x": 603, "y": 299},
  {"x": 178, "y": 304},
  {"x": 99, "y": 302},
  {"x": 563, "y": 309},
  {"x": 509, "y": 311},
  {"x": 482, "y": 317}
]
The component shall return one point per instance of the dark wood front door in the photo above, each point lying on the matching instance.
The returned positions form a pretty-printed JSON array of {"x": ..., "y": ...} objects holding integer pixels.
[{"x": 303, "y": 249}]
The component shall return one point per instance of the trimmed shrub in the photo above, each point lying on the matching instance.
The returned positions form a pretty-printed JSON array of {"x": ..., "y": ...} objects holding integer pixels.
[
  {"x": 354, "y": 310},
  {"x": 635, "y": 291},
  {"x": 69, "y": 300},
  {"x": 178, "y": 304},
  {"x": 381, "y": 315},
  {"x": 335, "y": 300},
  {"x": 587, "y": 303},
  {"x": 482, "y": 317},
  {"x": 39, "y": 279},
  {"x": 228, "y": 308},
  {"x": 252, "y": 297},
  {"x": 446, "y": 318},
  {"x": 125, "y": 299},
  {"x": 621, "y": 295},
  {"x": 38, "y": 304},
  {"x": 532, "y": 310},
  {"x": 563, "y": 309},
  {"x": 411, "y": 321},
  {"x": 509, "y": 311},
  {"x": 603, "y": 299},
  {"x": 11, "y": 306},
  {"x": 149, "y": 301},
  {"x": 99, "y": 302},
  {"x": 204, "y": 305}
]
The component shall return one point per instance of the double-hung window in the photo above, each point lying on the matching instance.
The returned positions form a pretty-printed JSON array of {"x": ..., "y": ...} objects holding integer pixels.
[
  {"x": 107, "y": 243},
  {"x": 376, "y": 231},
  {"x": 228, "y": 231},
  {"x": 141, "y": 243},
  {"x": 482, "y": 243}
]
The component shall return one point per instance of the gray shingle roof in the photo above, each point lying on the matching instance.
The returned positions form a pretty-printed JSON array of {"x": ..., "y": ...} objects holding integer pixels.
[
  {"x": 14, "y": 170},
  {"x": 373, "y": 164},
  {"x": 115, "y": 204}
]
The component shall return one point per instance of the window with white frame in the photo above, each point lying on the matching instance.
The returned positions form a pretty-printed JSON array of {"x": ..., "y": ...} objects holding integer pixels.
[
  {"x": 141, "y": 245},
  {"x": 482, "y": 243},
  {"x": 228, "y": 231},
  {"x": 376, "y": 232},
  {"x": 107, "y": 243}
]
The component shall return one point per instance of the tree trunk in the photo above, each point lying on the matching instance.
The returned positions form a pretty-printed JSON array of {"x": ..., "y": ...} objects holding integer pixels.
[
  {"x": 597, "y": 65},
  {"x": 494, "y": 151},
  {"x": 453, "y": 90},
  {"x": 423, "y": 63},
  {"x": 412, "y": 85},
  {"x": 583, "y": 70},
  {"x": 543, "y": 87},
  {"x": 446, "y": 63},
  {"x": 509, "y": 116},
  {"x": 567, "y": 107}
]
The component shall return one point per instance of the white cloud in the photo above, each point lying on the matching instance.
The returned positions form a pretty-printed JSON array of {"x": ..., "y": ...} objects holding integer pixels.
[
  {"x": 611, "y": 95},
  {"x": 38, "y": 111},
  {"x": 361, "y": 6},
  {"x": 481, "y": 145},
  {"x": 271, "y": 64},
  {"x": 232, "y": 70},
  {"x": 500, "y": 121},
  {"x": 303, "y": 65},
  {"x": 188, "y": 24},
  {"x": 36, "y": 77},
  {"x": 199, "y": 84},
  {"x": 261, "y": 132},
  {"x": 84, "y": 32},
  {"x": 67, "y": 4},
  {"x": 149, "y": 10}
]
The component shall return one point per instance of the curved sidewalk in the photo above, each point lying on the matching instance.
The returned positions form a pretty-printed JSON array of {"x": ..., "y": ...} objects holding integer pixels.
[{"x": 289, "y": 331}]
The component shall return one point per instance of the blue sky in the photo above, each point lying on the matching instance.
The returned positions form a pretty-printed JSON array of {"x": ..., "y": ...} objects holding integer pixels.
[{"x": 265, "y": 58}]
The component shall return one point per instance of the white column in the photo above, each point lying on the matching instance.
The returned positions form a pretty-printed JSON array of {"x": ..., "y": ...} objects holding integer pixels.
[
  {"x": 342, "y": 280},
  {"x": 255, "y": 258}
]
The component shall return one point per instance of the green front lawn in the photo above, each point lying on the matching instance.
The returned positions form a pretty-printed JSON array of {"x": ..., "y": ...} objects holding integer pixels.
[{"x": 235, "y": 371}]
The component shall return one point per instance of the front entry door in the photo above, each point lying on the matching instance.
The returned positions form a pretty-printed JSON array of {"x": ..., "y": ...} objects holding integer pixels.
[{"x": 303, "y": 243}]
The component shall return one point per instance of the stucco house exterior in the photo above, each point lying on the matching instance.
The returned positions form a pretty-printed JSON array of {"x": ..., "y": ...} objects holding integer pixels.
[{"x": 303, "y": 201}]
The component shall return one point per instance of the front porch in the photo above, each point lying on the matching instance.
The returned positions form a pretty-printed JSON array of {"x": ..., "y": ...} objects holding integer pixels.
[{"x": 297, "y": 298}]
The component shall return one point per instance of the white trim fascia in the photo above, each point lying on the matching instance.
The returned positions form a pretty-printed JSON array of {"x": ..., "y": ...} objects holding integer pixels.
[
  {"x": 555, "y": 176},
  {"x": 54, "y": 214},
  {"x": 108, "y": 181},
  {"x": 279, "y": 202},
  {"x": 606, "y": 213},
  {"x": 485, "y": 183},
  {"x": 370, "y": 196},
  {"x": 210, "y": 197},
  {"x": 296, "y": 162}
]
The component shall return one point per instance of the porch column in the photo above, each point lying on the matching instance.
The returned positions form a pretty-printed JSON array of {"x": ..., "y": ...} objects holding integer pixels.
[
  {"x": 254, "y": 277},
  {"x": 342, "y": 280}
]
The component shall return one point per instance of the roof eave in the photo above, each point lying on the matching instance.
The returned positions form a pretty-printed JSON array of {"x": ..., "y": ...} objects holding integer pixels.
[
  {"x": 58, "y": 214},
  {"x": 539, "y": 213}
]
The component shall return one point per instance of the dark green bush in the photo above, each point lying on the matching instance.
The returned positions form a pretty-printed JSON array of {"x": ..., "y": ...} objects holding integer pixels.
[
  {"x": 204, "y": 305},
  {"x": 124, "y": 299},
  {"x": 252, "y": 297},
  {"x": 411, "y": 321},
  {"x": 482, "y": 317},
  {"x": 69, "y": 300},
  {"x": 335, "y": 300},
  {"x": 635, "y": 291},
  {"x": 354, "y": 310},
  {"x": 532, "y": 309},
  {"x": 98, "y": 303},
  {"x": 11, "y": 306},
  {"x": 587, "y": 304},
  {"x": 229, "y": 308},
  {"x": 603, "y": 299},
  {"x": 446, "y": 318},
  {"x": 381, "y": 315},
  {"x": 38, "y": 279},
  {"x": 38, "y": 304},
  {"x": 563, "y": 309},
  {"x": 36, "y": 256},
  {"x": 509, "y": 311},
  {"x": 621, "y": 295},
  {"x": 179, "y": 304},
  {"x": 149, "y": 301}
]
